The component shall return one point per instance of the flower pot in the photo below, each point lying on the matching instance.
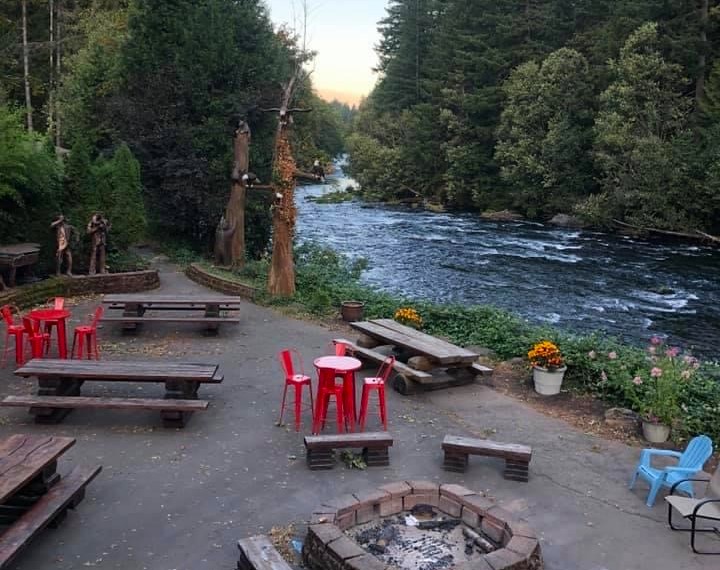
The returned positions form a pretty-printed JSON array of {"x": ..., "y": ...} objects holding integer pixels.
[
  {"x": 352, "y": 310},
  {"x": 654, "y": 432},
  {"x": 548, "y": 382}
]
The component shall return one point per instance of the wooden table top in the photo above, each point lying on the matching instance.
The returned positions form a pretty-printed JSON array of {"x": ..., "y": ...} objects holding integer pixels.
[
  {"x": 139, "y": 371},
  {"x": 190, "y": 300},
  {"x": 22, "y": 457},
  {"x": 19, "y": 249},
  {"x": 392, "y": 332}
]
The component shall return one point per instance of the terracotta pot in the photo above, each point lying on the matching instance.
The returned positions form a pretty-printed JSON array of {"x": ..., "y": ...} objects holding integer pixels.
[
  {"x": 352, "y": 310},
  {"x": 548, "y": 382},
  {"x": 654, "y": 432}
]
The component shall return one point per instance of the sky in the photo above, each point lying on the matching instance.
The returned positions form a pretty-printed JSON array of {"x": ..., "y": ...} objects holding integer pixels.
[{"x": 344, "y": 33}]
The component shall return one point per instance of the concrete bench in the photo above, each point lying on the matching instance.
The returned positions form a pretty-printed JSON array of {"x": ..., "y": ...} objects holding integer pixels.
[
  {"x": 320, "y": 448},
  {"x": 258, "y": 553},
  {"x": 457, "y": 449}
]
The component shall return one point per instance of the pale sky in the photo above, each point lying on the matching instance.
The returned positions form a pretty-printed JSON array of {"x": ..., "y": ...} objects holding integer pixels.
[{"x": 344, "y": 33}]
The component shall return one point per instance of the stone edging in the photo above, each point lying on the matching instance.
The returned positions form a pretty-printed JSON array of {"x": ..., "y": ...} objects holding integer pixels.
[
  {"x": 36, "y": 293},
  {"x": 199, "y": 275},
  {"x": 327, "y": 547}
]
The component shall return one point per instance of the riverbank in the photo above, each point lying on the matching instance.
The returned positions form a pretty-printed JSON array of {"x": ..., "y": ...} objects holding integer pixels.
[{"x": 600, "y": 368}]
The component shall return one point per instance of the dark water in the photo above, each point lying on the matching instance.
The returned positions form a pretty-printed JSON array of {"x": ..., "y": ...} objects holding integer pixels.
[{"x": 576, "y": 280}]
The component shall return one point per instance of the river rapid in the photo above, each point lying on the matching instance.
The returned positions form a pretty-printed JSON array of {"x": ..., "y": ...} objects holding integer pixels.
[{"x": 579, "y": 281}]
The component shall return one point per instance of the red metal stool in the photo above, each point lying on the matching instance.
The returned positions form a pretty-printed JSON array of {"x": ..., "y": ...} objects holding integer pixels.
[
  {"x": 329, "y": 389},
  {"x": 376, "y": 383},
  {"x": 37, "y": 340},
  {"x": 57, "y": 303},
  {"x": 13, "y": 329},
  {"x": 287, "y": 359},
  {"x": 87, "y": 334}
]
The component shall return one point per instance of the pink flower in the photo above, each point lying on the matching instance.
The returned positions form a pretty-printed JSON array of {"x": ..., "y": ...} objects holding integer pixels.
[
  {"x": 656, "y": 372},
  {"x": 656, "y": 340},
  {"x": 637, "y": 381},
  {"x": 672, "y": 352},
  {"x": 651, "y": 349},
  {"x": 612, "y": 355},
  {"x": 592, "y": 355},
  {"x": 603, "y": 376}
]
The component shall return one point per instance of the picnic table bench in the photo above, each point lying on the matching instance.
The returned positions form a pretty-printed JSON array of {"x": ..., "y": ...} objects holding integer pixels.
[
  {"x": 320, "y": 448},
  {"x": 209, "y": 308},
  {"x": 59, "y": 383},
  {"x": 17, "y": 255},
  {"x": 450, "y": 365},
  {"x": 517, "y": 456},
  {"x": 32, "y": 494}
]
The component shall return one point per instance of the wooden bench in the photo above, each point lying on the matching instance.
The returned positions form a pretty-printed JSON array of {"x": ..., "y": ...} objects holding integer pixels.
[
  {"x": 32, "y": 494},
  {"x": 60, "y": 382},
  {"x": 135, "y": 306},
  {"x": 320, "y": 448},
  {"x": 258, "y": 553},
  {"x": 378, "y": 357},
  {"x": 517, "y": 456},
  {"x": 451, "y": 365}
]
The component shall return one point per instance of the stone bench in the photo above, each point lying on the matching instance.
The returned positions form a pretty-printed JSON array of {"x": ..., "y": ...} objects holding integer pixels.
[
  {"x": 457, "y": 449},
  {"x": 320, "y": 448}
]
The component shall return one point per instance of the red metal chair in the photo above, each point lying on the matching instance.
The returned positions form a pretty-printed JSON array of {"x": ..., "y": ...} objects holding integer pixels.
[
  {"x": 57, "y": 303},
  {"x": 291, "y": 362},
  {"x": 328, "y": 388},
  {"x": 13, "y": 329},
  {"x": 376, "y": 383},
  {"x": 87, "y": 334},
  {"x": 341, "y": 349},
  {"x": 37, "y": 340}
]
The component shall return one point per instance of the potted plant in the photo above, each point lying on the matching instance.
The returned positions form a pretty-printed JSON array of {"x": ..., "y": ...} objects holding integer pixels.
[
  {"x": 409, "y": 317},
  {"x": 656, "y": 389},
  {"x": 548, "y": 367}
]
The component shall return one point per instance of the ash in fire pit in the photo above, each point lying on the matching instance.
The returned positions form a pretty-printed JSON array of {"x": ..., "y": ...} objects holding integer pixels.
[{"x": 436, "y": 543}]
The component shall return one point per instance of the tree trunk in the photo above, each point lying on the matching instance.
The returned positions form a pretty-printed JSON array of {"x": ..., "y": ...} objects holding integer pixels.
[
  {"x": 702, "y": 58},
  {"x": 235, "y": 216},
  {"x": 26, "y": 67},
  {"x": 58, "y": 70},
  {"x": 281, "y": 280},
  {"x": 51, "y": 72}
]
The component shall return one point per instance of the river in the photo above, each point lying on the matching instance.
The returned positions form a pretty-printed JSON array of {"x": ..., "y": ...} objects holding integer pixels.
[{"x": 580, "y": 281}]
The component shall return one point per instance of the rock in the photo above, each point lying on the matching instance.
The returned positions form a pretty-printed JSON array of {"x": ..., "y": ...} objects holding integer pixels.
[
  {"x": 482, "y": 351},
  {"x": 365, "y": 341},
  {"x": 566, "y": 221},
  {"x": 622, "y": 418},
  {"x": 501, "y": 216},
  {"x": 385, "y": 350},
  {"x": 517, "y": 361},
  {"x": 420, "y": 363}
]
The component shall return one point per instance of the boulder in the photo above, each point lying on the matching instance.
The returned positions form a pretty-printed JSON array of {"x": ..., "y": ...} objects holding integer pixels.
[
  {"x": 365, "y": 341},
  {"x": 501, "y": 216},
  {"x": 420, "y": 363},
  {"x": 622, "y": 418},
  {"x": 566, "y": 221}
]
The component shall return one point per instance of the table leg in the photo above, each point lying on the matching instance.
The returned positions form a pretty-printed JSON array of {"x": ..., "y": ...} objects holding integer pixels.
[
  {"x": 179, "y": 390},
  {"x": 62, "y": 338},
  {"x": 19, "y": 349},
  {"x": 349, "y": 397},
  {"x": 212, "y": 311},
  {"x": 54, "y": 387},
  {"x": 12, "y": 276},
  {"x": 132, "y": 310},
  {"x": 320, "y": 402}
]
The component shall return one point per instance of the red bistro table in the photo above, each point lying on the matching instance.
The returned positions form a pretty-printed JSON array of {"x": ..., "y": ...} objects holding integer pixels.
[
  {"x": 330, "y": 366},
  {"x": 58, "y": 318}
]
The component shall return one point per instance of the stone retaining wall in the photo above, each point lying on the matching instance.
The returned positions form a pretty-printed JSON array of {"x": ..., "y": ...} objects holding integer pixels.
[
  {"x": 36, "y": 293},
  {"x": 327, "y": 547},
  {"x": 203, "y": 277}
]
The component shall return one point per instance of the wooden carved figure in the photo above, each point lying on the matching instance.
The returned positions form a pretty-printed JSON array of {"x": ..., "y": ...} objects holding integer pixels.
[
  {"x": 223, "y": 242},
  {"x": 98, "y": 228},
  {"x": 63, "y": 234}
]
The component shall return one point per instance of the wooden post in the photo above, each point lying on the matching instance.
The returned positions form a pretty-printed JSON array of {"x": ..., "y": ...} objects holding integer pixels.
[{"x": 235, "y": 210}]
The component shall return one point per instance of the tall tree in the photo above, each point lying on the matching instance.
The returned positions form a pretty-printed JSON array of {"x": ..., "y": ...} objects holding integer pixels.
[{"x": 26, "y": 67}]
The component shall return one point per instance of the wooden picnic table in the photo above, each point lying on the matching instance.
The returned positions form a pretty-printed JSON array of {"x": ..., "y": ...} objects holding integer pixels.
[
  {"x": 17, "y": 255},
  {"x": 210, "y": 308},
  {"x": 458, "y": 365},
  {"x": 59, "y": 383},
  {"x": 33, "y": 495}
]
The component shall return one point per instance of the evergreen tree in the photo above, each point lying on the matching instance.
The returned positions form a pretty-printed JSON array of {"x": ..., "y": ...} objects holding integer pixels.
[
  {"x": 126, "y": 210},
  {"x": 80, "y": 196}
]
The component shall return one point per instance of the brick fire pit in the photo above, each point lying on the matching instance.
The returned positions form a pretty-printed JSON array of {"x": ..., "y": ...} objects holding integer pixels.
[{"x": 329, "y": 544}]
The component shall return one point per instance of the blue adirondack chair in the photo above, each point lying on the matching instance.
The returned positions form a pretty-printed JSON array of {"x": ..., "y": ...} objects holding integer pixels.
[{"x": 689, "y": 462}]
